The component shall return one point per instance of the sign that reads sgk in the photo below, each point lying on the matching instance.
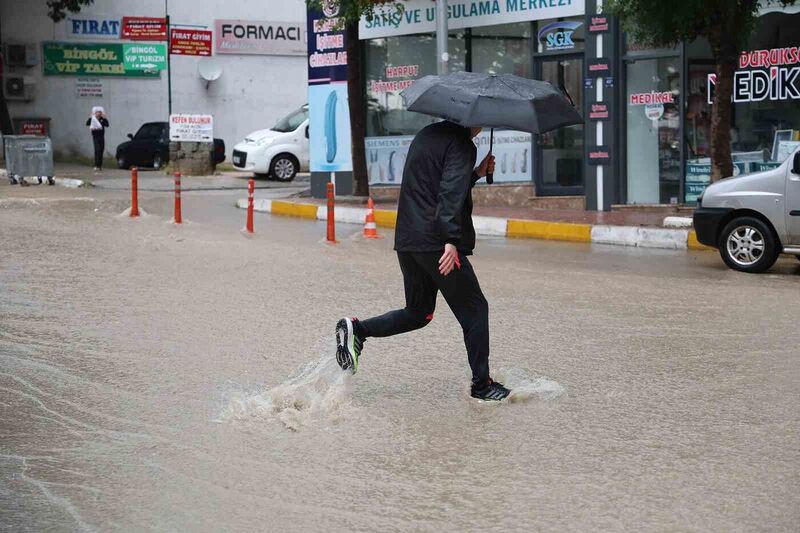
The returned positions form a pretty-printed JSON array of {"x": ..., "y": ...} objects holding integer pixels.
[
  {"x": 260, "y": 37},
  {"x": 558, "y": 35}
]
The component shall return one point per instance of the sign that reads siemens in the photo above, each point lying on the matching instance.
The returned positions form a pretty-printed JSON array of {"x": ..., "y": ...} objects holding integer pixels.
[
  {"x": 261, "y": 37},
  {"x": 419, "y": 16}
]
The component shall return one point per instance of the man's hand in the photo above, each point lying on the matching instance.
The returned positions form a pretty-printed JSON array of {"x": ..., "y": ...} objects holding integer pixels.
[
  {"x": 449, "y": 260},
  {"x": 486, "y": 166}
]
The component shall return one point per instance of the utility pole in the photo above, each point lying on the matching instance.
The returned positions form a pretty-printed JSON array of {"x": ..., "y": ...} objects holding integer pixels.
[
  {"x": 169, "y": 59},
  {"x": 442, "y": 57}
]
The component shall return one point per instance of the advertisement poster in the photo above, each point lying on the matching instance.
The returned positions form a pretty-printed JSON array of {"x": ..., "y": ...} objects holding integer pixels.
[
  {"x": 386, "y": 156},
  {"x": 260, "y": 37},
  {"x": 328, "y": 110},
  {"x": 92, "y": 60},
  {"x": 144, "y": 28},
  {"x": 188, "y": 42},
  {"x": 89, "y": 88},
  {"x": 191, "y": 128}
]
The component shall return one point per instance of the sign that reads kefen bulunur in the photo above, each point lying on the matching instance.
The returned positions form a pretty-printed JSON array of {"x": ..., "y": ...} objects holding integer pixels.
[
  {"x": 260, "y": 37},
  {"x": 191, "y": 128}
]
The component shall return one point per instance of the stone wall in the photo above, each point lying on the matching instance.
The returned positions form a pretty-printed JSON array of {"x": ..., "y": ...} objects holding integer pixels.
[{"x": 191, "y": 158}]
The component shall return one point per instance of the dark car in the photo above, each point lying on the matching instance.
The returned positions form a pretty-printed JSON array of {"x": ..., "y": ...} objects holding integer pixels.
[{"x": 150, "y": 147}]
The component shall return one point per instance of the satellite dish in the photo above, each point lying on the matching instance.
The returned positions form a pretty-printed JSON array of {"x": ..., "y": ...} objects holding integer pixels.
[{"x": 209, "y": 69}]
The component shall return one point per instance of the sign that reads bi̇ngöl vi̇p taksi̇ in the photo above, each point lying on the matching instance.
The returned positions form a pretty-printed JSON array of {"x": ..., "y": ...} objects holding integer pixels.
[{"x": 77, "y": 59}]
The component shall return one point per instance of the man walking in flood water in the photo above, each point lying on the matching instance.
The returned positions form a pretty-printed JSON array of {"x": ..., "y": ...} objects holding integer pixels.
[{"x": 433, "y": 237}]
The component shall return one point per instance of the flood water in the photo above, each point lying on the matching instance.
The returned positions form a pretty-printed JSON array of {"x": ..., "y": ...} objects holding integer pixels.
[{"x": 155, "y": 378}]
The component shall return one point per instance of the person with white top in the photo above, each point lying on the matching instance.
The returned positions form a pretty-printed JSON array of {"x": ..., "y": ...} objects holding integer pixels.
[{"x": 98, "y": 123}]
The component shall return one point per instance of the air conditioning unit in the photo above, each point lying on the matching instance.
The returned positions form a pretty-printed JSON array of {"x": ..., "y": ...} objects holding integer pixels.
[
  {"x": 21, "y": 55},
  {"x": 18, "y": 87}
]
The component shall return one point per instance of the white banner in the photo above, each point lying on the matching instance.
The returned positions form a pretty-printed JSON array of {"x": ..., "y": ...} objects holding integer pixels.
[
  {"x": 191, "y": 128},
  {"x": 419, "y": 16},
  {"x": 386, "y": 156}
]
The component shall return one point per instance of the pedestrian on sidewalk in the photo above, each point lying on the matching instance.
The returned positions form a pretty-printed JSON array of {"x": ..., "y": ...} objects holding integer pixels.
[
  {"x": 433, "y": 237},
  {"x": 98, "y": 123}
]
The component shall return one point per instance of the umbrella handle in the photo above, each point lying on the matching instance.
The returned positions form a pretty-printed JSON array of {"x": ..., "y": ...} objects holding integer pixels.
[{"x": 490, "y": 175}]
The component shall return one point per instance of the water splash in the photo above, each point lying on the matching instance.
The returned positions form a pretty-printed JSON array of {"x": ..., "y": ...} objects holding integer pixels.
[
  {"x": 524, "y": 387},
  {"x": 318, "y": 392}
]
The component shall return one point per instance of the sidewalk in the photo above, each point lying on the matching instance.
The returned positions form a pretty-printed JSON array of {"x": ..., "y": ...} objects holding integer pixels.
[{"x": 650, "y": 228}]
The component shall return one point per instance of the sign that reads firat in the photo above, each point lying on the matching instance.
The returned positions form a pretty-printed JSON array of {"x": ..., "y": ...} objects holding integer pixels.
[
  {"x": 32, "y": 126},
  {"x": 93, "y": 28},
  {"x": 187, "y": 42},
  {"x": 191, "y": 128},
  {"x": 144, "y": 28},
  {"x": 260, "y": 37}
]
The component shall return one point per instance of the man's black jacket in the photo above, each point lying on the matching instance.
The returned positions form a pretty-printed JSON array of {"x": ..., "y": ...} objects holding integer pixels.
[{"x": 435, "y": 204}]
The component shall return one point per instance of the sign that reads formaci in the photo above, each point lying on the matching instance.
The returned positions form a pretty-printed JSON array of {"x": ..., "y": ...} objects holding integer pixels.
[
  {"x": 191, "y": 128},
  {"x": 419, "y": 16},
  {"x": 260, "y": 37}
]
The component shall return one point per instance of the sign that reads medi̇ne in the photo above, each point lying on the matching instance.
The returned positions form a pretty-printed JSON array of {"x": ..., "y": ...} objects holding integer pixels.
[
  {"x": 419, "y": 16},
  {"x": 260, "y": 37},
  {"x": 77, "y": 59}
]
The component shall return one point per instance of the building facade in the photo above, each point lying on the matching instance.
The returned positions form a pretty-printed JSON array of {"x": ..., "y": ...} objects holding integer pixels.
[
  {"x": 256, "y": 46},
  {"x": 647, "y": 112}
]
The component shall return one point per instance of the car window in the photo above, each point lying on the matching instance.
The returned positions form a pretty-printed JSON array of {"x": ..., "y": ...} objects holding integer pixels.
[
  {"x": 148, "y": 132},
  {"x": 292, "y": 121}
]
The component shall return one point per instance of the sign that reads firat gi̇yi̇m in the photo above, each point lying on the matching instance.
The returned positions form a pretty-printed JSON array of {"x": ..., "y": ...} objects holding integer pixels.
[
  {"x": 191, "y": 128},
  {"x": 144, "y": 28},
  {"x": 188, "y": 42},
  {"x": 260, "y": 37}
]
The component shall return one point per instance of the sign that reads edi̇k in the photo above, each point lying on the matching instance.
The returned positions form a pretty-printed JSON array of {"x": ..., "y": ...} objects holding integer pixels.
[{"x": 191, "y": 128}]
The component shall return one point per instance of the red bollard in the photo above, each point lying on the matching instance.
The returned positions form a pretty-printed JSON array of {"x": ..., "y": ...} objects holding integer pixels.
[
  {"x": 178, "y": 218},
  {"x": 134, "y": 192},
  {"x": 251, "y": 187},
  {"x": 331, "y": 221}
]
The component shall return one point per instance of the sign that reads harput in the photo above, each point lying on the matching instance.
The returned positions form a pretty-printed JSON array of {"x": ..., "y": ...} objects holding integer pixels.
[
  {"x": 191, "y": 128},
  {"x": 419, "y": 16},
  {"x": 260, "y": 37}
]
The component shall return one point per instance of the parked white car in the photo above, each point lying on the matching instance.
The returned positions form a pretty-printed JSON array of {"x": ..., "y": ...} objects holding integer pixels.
[{"x": 277, "y": 153}]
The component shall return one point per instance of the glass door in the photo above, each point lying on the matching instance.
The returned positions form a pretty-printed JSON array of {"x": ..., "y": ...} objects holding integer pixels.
[{"x": 559, "y": 153}]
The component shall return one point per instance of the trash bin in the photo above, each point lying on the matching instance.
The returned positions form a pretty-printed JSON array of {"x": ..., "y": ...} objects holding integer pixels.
[{"x": 28, "y": 156}]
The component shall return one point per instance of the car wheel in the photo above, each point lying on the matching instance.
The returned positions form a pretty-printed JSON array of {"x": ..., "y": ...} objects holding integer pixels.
[
  {"x": 747, "y": 244},
  {"x": 157, "y": 162},
  {"x": 122, "y": 162},
  {"x": 283, "y": 167}
]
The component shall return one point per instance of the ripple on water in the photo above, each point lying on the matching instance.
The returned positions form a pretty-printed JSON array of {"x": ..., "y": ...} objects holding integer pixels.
[{"x": 525, "y": 387}]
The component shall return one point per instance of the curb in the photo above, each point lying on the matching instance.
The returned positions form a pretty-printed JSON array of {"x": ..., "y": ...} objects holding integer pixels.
[{"x": 638, "y": 236}]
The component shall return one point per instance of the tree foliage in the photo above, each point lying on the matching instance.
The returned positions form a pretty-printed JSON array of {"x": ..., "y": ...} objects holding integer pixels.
[{"x": 57, "y": 9}]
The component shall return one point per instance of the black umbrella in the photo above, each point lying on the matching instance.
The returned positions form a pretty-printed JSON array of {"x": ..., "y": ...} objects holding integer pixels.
[{"x": 473, "y": 99}]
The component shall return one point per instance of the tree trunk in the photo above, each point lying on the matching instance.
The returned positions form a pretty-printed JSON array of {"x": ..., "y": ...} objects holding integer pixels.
[
  {"x": 358, "y": 115},
  {"x": 721, "y": 163}
]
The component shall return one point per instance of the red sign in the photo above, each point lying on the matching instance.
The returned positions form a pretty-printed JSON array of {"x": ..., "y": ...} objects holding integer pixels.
[
  {"x": 144, "y": 29},
  {"x": 598, "y": 111},
  {"x": 652, "y": 97},
  {"x": 188, "y": 42},
  {"x": 32, "y": 127},
  {"x": 598, "y": 24}
]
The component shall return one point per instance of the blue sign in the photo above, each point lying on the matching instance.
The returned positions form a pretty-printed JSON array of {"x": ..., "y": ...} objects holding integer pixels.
[
  {"x": 85, "y": 27},
  {"x": 558, "y": 35}
]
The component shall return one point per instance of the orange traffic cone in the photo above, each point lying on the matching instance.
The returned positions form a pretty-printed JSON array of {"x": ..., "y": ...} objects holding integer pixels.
[{"x": 370, "y": 229}]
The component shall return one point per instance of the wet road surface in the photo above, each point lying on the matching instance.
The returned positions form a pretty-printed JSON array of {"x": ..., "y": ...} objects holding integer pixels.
[{"x": 156, "y": 378}]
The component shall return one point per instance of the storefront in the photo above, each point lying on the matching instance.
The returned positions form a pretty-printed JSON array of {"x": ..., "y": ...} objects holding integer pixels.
[{"x": 647, "y": 112}]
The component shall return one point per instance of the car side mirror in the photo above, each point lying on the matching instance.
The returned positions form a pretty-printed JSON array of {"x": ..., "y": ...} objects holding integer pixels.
[
  {"x": 306, "y": 132},
  {"x": 130, "y": 136},
  {"x": 796, "y": 165}
]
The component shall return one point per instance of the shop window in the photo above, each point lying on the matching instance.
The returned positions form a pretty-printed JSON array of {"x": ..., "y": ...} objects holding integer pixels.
[
  {"x": 653, "y": 102},
  {"x": 502, "y": 49},
  {"x": 392, "y": 64},
  {"x": 765, "y": 124}
]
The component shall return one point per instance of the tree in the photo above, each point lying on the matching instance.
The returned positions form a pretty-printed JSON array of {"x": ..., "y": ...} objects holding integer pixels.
[
  {"x": 350, "y": 12},
  {"x": 57, "y": 11},
  {"x": 728, "y": 26}
]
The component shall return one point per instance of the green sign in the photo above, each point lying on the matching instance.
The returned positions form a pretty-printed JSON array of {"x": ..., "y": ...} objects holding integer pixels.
[
  {"x": 144, "y": 56},
  {"x": 92, "y": 60}
]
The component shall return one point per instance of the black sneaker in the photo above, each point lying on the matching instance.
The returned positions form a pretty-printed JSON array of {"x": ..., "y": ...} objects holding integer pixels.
[
  {"x": 348, "y": 345},
  {"x": 490, "y": 391}
]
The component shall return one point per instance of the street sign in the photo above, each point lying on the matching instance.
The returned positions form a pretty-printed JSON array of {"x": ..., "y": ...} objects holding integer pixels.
[
  {"x": 148, "y": 57},
  {"x": 192, "y": 128},
  {"x": 144, "y": 28},
  {"x": 189, "y": 42}
]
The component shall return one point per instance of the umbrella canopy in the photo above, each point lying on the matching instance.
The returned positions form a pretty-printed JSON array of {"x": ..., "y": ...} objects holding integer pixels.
[{"x": 473, "y": 99}]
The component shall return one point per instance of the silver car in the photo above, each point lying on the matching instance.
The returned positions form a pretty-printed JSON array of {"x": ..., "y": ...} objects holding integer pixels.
[{"x": 753, "y": 218}]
